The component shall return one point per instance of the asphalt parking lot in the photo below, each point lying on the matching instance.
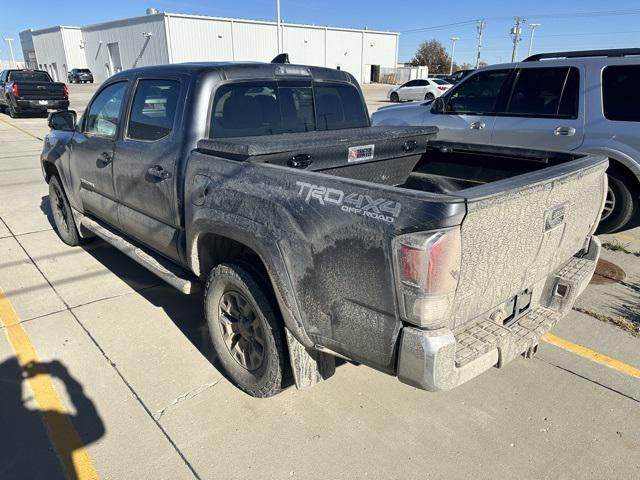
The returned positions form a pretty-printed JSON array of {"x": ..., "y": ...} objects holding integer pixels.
[{"x": 105, "y": 372}]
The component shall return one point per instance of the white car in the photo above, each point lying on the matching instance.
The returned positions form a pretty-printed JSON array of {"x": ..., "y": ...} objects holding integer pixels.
[{"x": 419, "y": 89}]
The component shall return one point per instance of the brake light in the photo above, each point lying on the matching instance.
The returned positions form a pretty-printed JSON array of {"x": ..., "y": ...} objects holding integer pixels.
[
  {"x": 65, "y": 91},
  {"x": 15, "y": 90},
  {"x": 427, "y": 266},
  {"x": 443, "y": 88}
]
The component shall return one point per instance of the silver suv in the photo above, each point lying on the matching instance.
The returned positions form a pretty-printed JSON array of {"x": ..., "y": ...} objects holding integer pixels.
[{"x": 587, "y": 101}]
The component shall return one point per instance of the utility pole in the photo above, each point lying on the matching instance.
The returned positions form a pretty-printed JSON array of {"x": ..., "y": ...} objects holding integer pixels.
[
  {"x": 516, "y": 34},
  {"x": 279, "y": 27},
  {"x": 533, "y": 29},
  {"x": 453, "y": 52},
  {"x": 13, "y": 60},
  {"x": 480, "y": 27}
]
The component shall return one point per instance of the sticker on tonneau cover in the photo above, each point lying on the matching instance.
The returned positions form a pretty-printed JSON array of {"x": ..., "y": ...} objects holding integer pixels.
[{"x": 361, "y": 153}]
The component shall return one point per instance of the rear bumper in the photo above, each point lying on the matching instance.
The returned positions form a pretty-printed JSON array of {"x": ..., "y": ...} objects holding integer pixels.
[
  {"x": 36, "y": 105},
  {"x": 442, "y": 359}
]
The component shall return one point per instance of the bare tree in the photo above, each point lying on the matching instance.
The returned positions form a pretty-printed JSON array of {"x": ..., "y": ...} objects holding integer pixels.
[{"x": 432, "y": 54}]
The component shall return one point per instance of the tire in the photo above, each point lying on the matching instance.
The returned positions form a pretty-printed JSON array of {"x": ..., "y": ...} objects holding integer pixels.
[
  {"x": 62, "y": 214},
  {"x": 394, "y": 97},
  {"x": 244, "y": 319},
  {"x": 621, "y": 204},
  {"x": 12, "y": 112},
  {"x": 429, "y": 96},
  {"x": 44, "y": 114}
]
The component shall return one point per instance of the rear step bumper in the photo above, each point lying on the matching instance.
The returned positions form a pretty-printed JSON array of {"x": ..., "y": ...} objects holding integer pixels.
[{"x": 442, "y": 359}]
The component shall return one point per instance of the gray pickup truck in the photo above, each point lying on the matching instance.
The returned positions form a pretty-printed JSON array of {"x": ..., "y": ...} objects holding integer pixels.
[{"x": 315, "y": 235}]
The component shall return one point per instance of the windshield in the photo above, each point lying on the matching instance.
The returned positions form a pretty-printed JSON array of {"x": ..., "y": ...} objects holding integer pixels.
[{"x": 27, "y": 76}]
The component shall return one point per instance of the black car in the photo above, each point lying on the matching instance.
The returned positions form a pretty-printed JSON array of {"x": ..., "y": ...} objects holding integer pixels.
[{"x": 80, "y": 75}]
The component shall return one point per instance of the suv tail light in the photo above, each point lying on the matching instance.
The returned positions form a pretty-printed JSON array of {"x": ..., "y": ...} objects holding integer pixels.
[
  {"x": 15, "y": 90},
  {"x": 427, "y": 267},
  {"x": 65, "y": 91}
]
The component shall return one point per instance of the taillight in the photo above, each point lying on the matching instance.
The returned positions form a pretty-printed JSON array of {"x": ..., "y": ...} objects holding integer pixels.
[
  {"x": 443, "y": 88},
  {"x": 15, "y": 91},
  {"x": 427, "y": 267},
  {"x": 65, "y": 91}
]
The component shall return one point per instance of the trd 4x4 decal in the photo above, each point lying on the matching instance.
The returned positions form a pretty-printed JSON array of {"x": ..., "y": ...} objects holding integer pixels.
[{"x": 378, "y": 208}]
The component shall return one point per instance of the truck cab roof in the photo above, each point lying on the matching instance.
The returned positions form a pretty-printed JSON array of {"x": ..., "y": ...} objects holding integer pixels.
[{"x": 244, "y": 71}]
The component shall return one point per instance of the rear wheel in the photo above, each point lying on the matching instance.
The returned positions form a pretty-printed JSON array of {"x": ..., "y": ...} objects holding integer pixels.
[
  {"x": 246, "y": 328},
  {"x": 429, "y": 96},
  {"x": 12, "y": 112},
  {"x": 620, "y": 204},
  {"x": 394, "y": 97},
  {"x": 62, "y": 215}
]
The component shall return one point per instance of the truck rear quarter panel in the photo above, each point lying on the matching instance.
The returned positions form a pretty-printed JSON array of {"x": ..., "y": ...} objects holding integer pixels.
[{"x": 325, "y": 241}]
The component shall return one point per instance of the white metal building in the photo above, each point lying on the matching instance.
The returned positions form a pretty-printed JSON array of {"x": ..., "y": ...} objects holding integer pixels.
[{"x": 159, "y": 38}]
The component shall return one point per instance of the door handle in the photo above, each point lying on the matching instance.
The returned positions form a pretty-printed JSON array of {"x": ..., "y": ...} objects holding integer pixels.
[
  {"x": 477, "y": 125},
  {"x": 105, "y": 159},
  {"x": 158, "y": 172},
  {"x": 564, "y": 132}
]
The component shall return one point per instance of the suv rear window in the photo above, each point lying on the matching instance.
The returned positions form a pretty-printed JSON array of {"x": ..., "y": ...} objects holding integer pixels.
[
  {"x": 267, "y": 108},
  {"x": 29, "y": 77},
  {"x": 545, "y": 92},
  {"x": 620, "y": 94}
]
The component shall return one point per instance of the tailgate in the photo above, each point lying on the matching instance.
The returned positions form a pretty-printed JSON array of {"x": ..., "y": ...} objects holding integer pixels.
[
  {"x": 41, "y": 91},
  {"x": 520, "y": 230}
]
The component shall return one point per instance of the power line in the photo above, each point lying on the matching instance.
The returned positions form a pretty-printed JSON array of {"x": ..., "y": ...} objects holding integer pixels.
[{"x": 603, "y": 13}]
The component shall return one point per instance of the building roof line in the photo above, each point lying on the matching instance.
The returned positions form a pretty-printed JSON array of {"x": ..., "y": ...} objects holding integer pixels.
[
  {"x": 52, "y": 29},
  {"x": 156, "y": 16}
]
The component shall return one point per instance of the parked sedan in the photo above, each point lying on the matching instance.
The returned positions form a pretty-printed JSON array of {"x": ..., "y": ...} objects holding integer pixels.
[
  {"x": 80, "y": 75},
  {"x": 419, "y": 89}
]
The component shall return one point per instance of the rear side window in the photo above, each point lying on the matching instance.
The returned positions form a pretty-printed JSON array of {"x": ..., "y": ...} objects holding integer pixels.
[
  {"x": 620, "y": 94},
  {"x": 339, "y": 107},
  {"x": 545, "y": 92},
  {"x": 29, "y": 77},
  {"x": 153, "y": 110},
  {"x": 479, "y": 94}
]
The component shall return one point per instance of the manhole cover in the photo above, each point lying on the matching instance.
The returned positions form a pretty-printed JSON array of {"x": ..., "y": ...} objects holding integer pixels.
[{"x": 607, "y": 272}]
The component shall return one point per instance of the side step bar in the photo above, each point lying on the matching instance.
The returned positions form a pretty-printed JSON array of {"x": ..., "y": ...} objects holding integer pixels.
[{"x": 175, "y": 276}]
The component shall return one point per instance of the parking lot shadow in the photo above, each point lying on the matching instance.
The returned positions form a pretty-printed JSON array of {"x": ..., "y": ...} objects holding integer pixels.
[{"x": 39, "y": 444}]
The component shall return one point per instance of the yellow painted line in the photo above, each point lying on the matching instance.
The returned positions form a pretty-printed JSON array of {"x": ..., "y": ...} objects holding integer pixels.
[
  {"x": 592, "y": 355},
  {"x": 19, "y": 128},
  {"x": 67, "y": 442}
]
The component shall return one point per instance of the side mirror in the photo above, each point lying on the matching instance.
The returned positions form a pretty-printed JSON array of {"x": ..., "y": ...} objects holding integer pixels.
[
  {"x": 64, "y": 120},
  {"x": 437, "y": 106}
]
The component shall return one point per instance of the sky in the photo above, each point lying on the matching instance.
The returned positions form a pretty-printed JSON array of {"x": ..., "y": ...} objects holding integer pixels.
[{"x": 567, "y": 25}]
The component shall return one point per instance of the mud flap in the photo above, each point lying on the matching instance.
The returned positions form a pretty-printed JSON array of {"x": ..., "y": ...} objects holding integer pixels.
[{"x": 309, "y": 366}]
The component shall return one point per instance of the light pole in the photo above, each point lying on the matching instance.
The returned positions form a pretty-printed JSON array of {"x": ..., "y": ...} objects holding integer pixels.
[
  {"x": 13, "y": 60},
  {"x": 533, "y": 29},
  {"x": 279, "y": 32},
  {"x": 453, "y": 52}
]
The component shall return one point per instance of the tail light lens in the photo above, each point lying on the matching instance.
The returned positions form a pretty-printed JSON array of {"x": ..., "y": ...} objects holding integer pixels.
[
  {"x": 15, "y": 90},
  {"x": 443, "y": 88},
  {"x": 427, "y": 267},
  {"x": 65, "y": 91}
]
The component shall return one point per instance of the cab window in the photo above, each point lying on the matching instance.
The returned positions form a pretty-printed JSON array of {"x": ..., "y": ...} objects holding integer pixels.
[
  {"x": 105, "y": 110},
  {"x": 153, "y": 110}
]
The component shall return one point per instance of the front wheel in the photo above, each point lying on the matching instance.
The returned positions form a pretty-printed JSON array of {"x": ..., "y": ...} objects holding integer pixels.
[
  {"x": 62, "y": 215},
  {"x": 246, "y": 328},
  {"x": 620, "y": 205},
  {"x": 429, "y": 97}
]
